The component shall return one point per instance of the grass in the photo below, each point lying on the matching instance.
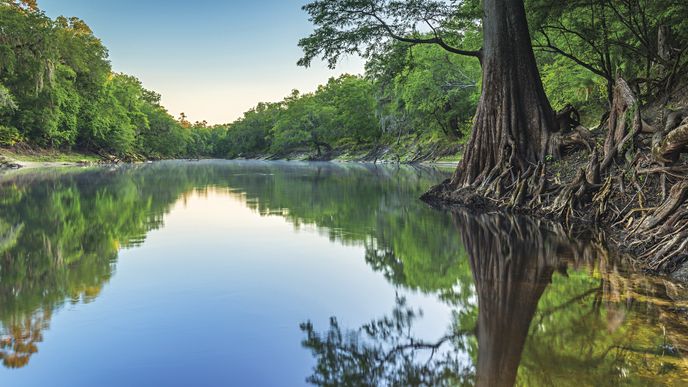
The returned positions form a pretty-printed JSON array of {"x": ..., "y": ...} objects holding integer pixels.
[
  {"x": 450, "y": 159},
  {"x": 43, "y": 156}
]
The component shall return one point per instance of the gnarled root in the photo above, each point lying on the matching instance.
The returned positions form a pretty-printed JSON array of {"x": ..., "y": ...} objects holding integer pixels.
[
  {"x": 668, "y": 145},
  {"x": 580, "y": 136},
  {"x": 618, "y": 187},
  {"x": 677, "y": 197},
  {"x": 579, "y": 192}
]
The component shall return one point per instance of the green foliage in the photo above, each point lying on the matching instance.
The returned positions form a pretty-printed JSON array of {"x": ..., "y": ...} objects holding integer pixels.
[
  {"x": 352, "y": 108},
  {"x": 425, "y": 89},
  {"x": 107, "y": 120},
  {"x": 427, "y": 93},
  {"x": 9, "y": 135},
  {"x": 640, "y": 39},
  {"x": 163, "y": 137},
  {"x": 57, "y": 90},
  {"x": 340, "y": 111},
  {"x": 249, "y": 135},
  {"x": 345, "y": 27},
  {"x": 567, "y": 83},
  {"x": 7, "y": 102},
  {"x": 343, "y": 111}
]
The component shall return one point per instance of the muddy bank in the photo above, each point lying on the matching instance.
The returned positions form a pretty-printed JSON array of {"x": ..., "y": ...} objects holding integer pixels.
[
  {"x": 25, "y": 157},
  {"x": 618, "y": 240}
]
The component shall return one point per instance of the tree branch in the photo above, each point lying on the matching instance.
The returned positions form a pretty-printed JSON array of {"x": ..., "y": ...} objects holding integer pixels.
[
  {"x": 556, "y": 50},
  {"x": 434, "y": 40}
]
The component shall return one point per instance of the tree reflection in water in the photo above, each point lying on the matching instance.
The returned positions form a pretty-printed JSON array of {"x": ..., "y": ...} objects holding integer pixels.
[
  {"x": 61, "y": 230},
  {"x": 385, "y": 352},
  {"x": 60, "y": 234},
  {"x": 529, "y": 330}
]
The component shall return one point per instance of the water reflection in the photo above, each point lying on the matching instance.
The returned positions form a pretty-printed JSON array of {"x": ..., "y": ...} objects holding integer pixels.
[
  {"x": 532, "y": 304},
  {"x": 551, "y": 309},
  {"x": 61, "y": 230}
]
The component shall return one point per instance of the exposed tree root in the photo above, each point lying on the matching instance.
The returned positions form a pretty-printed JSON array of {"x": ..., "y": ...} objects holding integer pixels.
[
  {"x": 668, "y": 146},
  {"x": 676, "y": 198},
  {"x": 634, "y": 187}
]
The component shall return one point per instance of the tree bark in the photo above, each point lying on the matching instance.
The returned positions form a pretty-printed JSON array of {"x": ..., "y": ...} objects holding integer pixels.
[
  {"x": 672, "y": 142},
  {"x": 620, "y": 130},
  {"x": 514, "y": 121}
]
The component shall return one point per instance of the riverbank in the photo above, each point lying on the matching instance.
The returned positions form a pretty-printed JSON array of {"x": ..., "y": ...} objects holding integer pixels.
[
  {"x": 441, "y": 152},
  {"x": 16, "y": 158},
  {"x": 663, "y": 254},
  {"x": 628, "y": 177},
  {"x": 408, "y": 149}
]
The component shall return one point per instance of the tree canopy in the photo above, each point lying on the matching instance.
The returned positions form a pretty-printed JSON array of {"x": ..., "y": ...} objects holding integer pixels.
[
  {"x": 364, "y": 27},
  {"x": 58, "y": 90}
]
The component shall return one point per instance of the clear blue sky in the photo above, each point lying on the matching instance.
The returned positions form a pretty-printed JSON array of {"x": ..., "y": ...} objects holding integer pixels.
[{"x": 212, "y": 59}]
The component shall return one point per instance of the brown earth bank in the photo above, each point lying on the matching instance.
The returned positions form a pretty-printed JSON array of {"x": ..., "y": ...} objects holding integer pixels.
[
  {"x": 26, "y": 156},
  {"x": 408, "y": 151},
  {"x": 628, "y": 177}
]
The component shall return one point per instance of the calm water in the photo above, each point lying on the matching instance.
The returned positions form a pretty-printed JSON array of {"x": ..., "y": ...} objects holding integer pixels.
[{"x": 280, "y": 274}]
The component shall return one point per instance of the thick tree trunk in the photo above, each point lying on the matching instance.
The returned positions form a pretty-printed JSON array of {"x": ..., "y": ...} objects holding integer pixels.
[{"x": 514, "y": 120}]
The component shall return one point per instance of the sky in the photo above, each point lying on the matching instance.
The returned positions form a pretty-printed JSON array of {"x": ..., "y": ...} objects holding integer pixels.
[{"x": 211, "y": 59}]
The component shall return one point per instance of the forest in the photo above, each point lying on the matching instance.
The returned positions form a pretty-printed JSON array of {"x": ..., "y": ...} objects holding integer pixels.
[
  {"x": 58, "y": 91},
  {"x": 531, "y": 148},
  {"x": 415, "y": 101}
]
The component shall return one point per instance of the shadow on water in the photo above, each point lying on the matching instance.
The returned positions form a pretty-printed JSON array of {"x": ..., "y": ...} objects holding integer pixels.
[{"x": 532, "y": 304}]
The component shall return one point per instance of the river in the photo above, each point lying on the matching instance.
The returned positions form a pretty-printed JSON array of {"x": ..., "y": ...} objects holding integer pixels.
[{"x": 248, "y": 273}]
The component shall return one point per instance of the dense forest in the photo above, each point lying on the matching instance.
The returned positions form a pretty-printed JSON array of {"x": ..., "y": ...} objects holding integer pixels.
[
  {"x": 415, "y": 101},
  {"x": 58, "y": 90}
]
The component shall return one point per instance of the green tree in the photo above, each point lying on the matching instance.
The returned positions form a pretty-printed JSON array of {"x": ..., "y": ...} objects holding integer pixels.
[
  {"x": 642, "y": 39},
  {"x": 514, "y": 120},
  {"x": 250, "y": 135},
  {"x": 425, "y": 89}
]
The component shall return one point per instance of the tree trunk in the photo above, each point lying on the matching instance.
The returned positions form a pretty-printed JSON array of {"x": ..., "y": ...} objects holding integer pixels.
[
  {"x": 514, "y": 120},
  {"x": 620, "y": 132}
]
